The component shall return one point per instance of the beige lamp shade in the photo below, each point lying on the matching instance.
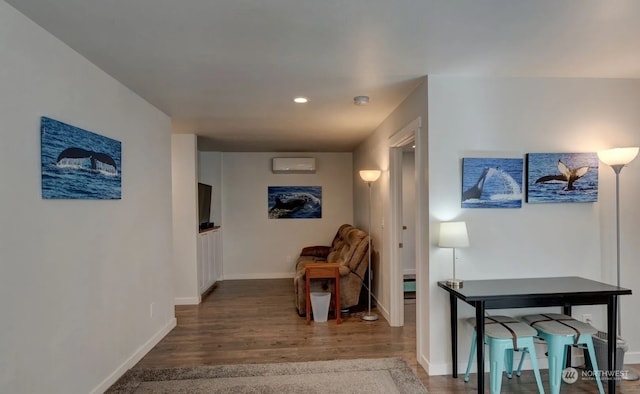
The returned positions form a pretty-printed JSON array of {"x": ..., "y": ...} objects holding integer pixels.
[
  {"x": 370, "y": 175},
  {"x": 618, "y": 156},
  {"x": 453, "y": 235}
]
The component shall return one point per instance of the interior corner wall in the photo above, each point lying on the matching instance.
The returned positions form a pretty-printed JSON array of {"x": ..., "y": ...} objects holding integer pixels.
[
  {"x": 374, "y": 153},
  {"x": 509, "y": 117},
  {"x": 85, "y": 285},
  {"x": 256, "y": 247},
  {"x": 184, "y": 175}
]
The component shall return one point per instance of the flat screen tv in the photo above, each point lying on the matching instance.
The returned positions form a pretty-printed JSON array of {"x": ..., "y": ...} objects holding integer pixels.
[{"x": 204, "y": 205}]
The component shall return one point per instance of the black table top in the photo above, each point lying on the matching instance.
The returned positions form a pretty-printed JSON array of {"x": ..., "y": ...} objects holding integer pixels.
[{"x": 477, "y": 290}]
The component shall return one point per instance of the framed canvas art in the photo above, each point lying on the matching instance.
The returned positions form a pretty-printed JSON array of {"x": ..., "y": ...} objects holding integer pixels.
[
  {"x": 562, "y": 177},
  {"x": 294, "y": 202},
  {"x": 491, "y": 183},
  {"x": 78, "y": 164}
]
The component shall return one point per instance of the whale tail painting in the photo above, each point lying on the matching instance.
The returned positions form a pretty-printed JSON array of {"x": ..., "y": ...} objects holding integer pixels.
[
  {"x": 99, "y": 161},
  {"x": 79, "y": 164},
  {"x": 562, "y": 177},
  {"x": 491, "y": 182},
  {"x": 569, "y": 175},
  {"x": 476, "y": 190}
]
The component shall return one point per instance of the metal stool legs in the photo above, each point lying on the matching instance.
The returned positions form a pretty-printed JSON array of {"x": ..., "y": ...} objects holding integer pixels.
[
  {"x": 501, "y": 355},
  {"x": 557, "y": 358}
]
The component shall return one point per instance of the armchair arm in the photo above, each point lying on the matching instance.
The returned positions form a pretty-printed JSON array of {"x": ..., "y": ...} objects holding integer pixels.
[
  {"x": 344, "y": 270},
  {"x": 316, "y": 251}
]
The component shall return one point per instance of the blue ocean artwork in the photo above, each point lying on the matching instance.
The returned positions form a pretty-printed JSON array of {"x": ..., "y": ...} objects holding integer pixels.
[
  {"x": 491, "y": 183},
  {"x": 79, "y": 164},
  {"x": 562, "y": 177},
  {"x": 295, "y": 202}
]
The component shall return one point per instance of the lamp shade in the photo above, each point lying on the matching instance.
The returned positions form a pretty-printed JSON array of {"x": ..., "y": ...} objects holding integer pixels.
[
  {"x": 618, "y": 156},
  {"x": 370, "y": 175},
  {"x": 453, "y": 235}
]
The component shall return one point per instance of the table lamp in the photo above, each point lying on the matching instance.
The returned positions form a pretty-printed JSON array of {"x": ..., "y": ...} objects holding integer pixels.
[{"x": 453, "y": 235}]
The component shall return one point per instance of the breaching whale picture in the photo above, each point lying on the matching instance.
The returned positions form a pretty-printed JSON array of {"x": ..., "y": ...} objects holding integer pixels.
[
  {"x": 491, "y": 183},
  {"x": 562, "y": 177},
  {"x": 78, "y": 164},
  {"x": 295, "y": 202}
]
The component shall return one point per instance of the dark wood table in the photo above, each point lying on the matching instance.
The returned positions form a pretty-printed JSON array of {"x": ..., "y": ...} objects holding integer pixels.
[{"x": 528, "y": 293}]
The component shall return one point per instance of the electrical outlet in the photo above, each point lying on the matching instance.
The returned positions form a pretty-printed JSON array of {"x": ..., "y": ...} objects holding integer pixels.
[{"x": 587, "y": 318}]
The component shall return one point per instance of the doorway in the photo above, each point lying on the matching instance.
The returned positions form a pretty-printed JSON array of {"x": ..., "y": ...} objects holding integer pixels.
[
  {"x": 406, "y": 164},
  {"x": 408, "y": 241}
]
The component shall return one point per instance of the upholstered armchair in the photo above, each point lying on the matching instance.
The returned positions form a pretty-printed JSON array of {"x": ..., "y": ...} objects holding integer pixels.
[{"x": 349, "y": 249}]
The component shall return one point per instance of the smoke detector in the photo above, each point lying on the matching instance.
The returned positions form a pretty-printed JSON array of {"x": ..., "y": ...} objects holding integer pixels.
[{"x": 361, "y": 100}]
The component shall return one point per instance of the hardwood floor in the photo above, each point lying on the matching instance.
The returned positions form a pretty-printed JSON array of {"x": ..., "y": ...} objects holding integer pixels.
[{"x": 254, "y": 321}]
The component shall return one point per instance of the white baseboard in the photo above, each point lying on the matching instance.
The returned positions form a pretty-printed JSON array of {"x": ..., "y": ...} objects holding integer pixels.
[
  {"x": 135, "y": 357},
  {"x": 276, "y": 275},
  {"x": 382, "y": 309},
  {"x": 426, "y": 365},
  {"x": 187, "y": 300},
  {"x": 632, "y": 358}
]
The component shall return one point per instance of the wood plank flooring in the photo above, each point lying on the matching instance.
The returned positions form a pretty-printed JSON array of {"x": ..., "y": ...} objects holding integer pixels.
[{"x": 254, "y": 321}]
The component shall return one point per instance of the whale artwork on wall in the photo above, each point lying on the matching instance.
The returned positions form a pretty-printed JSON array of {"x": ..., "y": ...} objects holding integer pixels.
[
  {"x": 562, "y": 177},
  {"x": 78, "y": 164},
  {"x": 491, "y": 182},
  {"x": 294, "y": 202}
]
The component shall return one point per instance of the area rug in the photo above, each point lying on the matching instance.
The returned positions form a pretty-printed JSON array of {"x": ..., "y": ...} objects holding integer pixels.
[{"x": 370, "y": 376}]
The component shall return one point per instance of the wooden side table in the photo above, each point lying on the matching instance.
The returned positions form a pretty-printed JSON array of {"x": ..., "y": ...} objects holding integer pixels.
[{"x": 323, "y": 271}]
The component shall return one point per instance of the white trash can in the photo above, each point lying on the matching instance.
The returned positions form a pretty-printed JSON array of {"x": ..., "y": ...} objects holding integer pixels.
[{"x": 320, "y": 306}]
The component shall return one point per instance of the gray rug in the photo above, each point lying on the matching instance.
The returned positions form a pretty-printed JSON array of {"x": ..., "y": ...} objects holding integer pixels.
[{"x": 366, "y": 376}]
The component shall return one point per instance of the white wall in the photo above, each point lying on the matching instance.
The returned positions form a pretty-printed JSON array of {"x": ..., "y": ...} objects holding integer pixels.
[
  {"x": 77, "y": 277},
  {"x": 508, "y": 118},
  {"x": 374, "y": 153},
  {"x": 258, "y": 247}
]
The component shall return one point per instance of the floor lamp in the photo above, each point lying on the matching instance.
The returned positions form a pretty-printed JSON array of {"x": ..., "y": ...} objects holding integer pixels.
[
  {"x": 369, "y": 176},
  {"x": 617, "y": 158}
]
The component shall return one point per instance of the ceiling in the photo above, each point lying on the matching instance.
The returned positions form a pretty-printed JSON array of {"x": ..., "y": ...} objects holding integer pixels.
[{"x": 228, "y": 70}]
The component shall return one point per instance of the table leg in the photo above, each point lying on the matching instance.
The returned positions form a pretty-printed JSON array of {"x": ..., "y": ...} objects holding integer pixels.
[
  {"x": 308, "y": 296},
  {"x": 337, "y": 300},
  {"x": 453, "y": 303},
  {"x": 612, "y": 318},
  {"x": 566, "y": 309},
  {"x": 480, "y": 344}
]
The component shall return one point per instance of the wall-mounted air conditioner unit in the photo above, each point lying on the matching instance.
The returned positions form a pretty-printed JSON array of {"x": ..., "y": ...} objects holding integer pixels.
[{"x": 293, "y": 165}]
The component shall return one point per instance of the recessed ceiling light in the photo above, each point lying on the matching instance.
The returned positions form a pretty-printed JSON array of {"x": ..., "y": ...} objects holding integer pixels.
[
  {"x": 301, "y": 100},
  {"x": 361, "y": 100}
]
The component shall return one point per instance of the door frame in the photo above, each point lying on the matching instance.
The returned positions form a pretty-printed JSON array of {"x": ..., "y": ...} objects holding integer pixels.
[{"x": 411, "y": 132}]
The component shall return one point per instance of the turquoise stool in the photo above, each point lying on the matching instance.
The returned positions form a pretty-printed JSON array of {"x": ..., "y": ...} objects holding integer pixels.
[
  {"x": 560, "y": 331},
  {"x": 504, "y": 334}
]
